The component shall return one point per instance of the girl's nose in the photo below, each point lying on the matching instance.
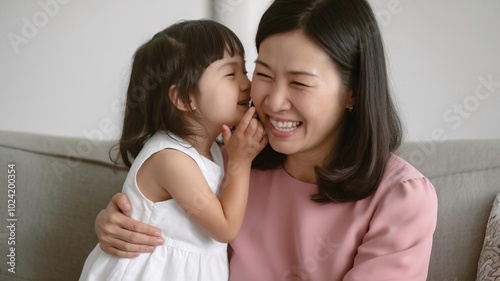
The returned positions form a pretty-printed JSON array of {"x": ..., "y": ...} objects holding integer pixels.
[{"x": 245, "y": 84}]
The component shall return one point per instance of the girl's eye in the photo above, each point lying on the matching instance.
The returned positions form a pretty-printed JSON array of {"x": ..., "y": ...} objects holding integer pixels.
[{"x": 230, "y": 74}]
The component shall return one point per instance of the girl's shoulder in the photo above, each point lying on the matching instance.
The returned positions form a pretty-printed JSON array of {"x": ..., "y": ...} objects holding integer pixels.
[
  {"x": 158, "y": 149},
  {"x": 166, "y": 140}
]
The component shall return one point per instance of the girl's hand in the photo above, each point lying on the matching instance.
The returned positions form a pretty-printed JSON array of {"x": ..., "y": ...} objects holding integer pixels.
[
  {"x": 121, "y": 236},
  {"x": 247, "y": 140}
]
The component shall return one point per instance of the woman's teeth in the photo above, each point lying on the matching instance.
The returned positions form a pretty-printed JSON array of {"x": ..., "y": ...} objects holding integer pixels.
[{"x": 286, "y": 126}]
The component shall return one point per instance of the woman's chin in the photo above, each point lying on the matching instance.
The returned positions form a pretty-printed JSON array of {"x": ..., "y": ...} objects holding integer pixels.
[{"x": 279, "y": 146}]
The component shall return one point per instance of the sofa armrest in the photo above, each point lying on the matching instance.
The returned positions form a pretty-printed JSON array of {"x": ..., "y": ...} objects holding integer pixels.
[
  {"x": 466, "y": 175},
  {"x": 57, "y": 197}
]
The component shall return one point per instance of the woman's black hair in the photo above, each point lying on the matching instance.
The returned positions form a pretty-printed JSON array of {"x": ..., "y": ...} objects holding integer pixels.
[
  {"x": 176, "y": 56},
  {"x": 347, "y": 31}
]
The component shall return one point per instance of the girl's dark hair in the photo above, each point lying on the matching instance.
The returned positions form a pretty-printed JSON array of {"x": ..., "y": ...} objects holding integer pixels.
[
  {"x": 347, "y": 31},
  {"x": 176, "y": 56}
]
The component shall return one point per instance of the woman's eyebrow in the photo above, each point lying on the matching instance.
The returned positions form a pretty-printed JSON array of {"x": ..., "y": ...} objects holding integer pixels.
[
  {"x": 262, "y": 63},
  {"x": 292, "y": 72},
  {"x": 303, "y": 73}
]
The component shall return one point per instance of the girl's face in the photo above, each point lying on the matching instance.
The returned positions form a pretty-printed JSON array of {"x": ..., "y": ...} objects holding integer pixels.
[
  {"x": 297, "y": 93},
  {"x": 224, "y": 93}
]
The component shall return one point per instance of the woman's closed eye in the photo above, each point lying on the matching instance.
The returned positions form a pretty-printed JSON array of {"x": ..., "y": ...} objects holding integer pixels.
[
  {"x": 299, "y": 84},
  {"x": 263, "y": 75}
]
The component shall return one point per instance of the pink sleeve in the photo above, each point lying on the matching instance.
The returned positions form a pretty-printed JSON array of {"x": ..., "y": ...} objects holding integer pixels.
[{"x": 398, "y": 243}]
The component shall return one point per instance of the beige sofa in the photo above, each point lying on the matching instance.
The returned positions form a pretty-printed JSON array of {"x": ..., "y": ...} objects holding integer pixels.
[{"x": 61, "y": 184}]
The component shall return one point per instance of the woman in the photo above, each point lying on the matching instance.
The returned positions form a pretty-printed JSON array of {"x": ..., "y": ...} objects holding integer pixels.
[{"x": 328, "y": 198}]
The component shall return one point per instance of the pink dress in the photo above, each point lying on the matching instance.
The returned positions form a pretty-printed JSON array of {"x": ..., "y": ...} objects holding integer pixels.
[{"x": 286, "y": 236}]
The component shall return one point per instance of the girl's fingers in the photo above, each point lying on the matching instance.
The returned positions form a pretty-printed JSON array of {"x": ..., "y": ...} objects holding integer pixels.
[
  {"x": 259, "y": 132},
  {"x": 245, "y": 121},
  {"x": 226, "y": 134},
  {"x": 252, "y": 128}
]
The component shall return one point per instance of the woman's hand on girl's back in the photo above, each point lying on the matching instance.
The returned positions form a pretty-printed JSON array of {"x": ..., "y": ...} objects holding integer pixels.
[{"x": 121, "y": 236}]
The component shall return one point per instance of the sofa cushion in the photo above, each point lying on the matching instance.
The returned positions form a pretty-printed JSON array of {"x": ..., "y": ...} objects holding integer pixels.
[
  {"x": 489, "y": 261},
  {"x": 466, "y": 175}
]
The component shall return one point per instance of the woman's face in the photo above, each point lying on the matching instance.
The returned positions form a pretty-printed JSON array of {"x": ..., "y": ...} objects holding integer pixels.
[{"x": 297, "y": 93}]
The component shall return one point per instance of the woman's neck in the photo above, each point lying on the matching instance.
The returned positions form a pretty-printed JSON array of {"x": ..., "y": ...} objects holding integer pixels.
[
  {"x": 301, "y": 168},
  {"x": 301, "y": 165}
]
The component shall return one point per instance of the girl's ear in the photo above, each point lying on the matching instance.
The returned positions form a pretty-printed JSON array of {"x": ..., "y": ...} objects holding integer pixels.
[{"x": 173, "y": 94}]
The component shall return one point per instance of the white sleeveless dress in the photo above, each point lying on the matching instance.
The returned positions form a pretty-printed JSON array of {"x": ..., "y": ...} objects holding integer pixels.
[{"x": 188, "y": 253}]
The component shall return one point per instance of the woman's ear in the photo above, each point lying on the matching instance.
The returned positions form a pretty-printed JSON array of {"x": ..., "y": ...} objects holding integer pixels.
[
  {"x": 173, "y": 94},
  {"x": 350, "y": 102}
]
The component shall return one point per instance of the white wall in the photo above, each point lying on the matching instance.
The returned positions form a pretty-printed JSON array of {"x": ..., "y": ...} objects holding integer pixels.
[
  {"x": 440, "y": 55},
  {"x": 67, "y": 71},
  {"x": 243, "y": 17},
  {"x": 68, "y": 79}
]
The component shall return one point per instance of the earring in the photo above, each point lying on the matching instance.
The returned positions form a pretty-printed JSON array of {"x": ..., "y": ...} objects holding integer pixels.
[
  {"x": 351, "y": 108},
  {"x": 194, "y": 108}
]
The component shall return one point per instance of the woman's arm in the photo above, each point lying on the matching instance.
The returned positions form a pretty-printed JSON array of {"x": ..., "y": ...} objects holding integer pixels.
[
  {"x": 398, "y": 243},
  {"x": 122, "y": 236}
]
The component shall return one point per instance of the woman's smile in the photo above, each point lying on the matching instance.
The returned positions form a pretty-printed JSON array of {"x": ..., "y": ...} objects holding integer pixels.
[{"x": 284, "y": 126}]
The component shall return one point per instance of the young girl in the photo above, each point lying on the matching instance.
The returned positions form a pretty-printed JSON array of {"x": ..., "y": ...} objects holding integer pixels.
[{"x": 188, "y": 83}]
